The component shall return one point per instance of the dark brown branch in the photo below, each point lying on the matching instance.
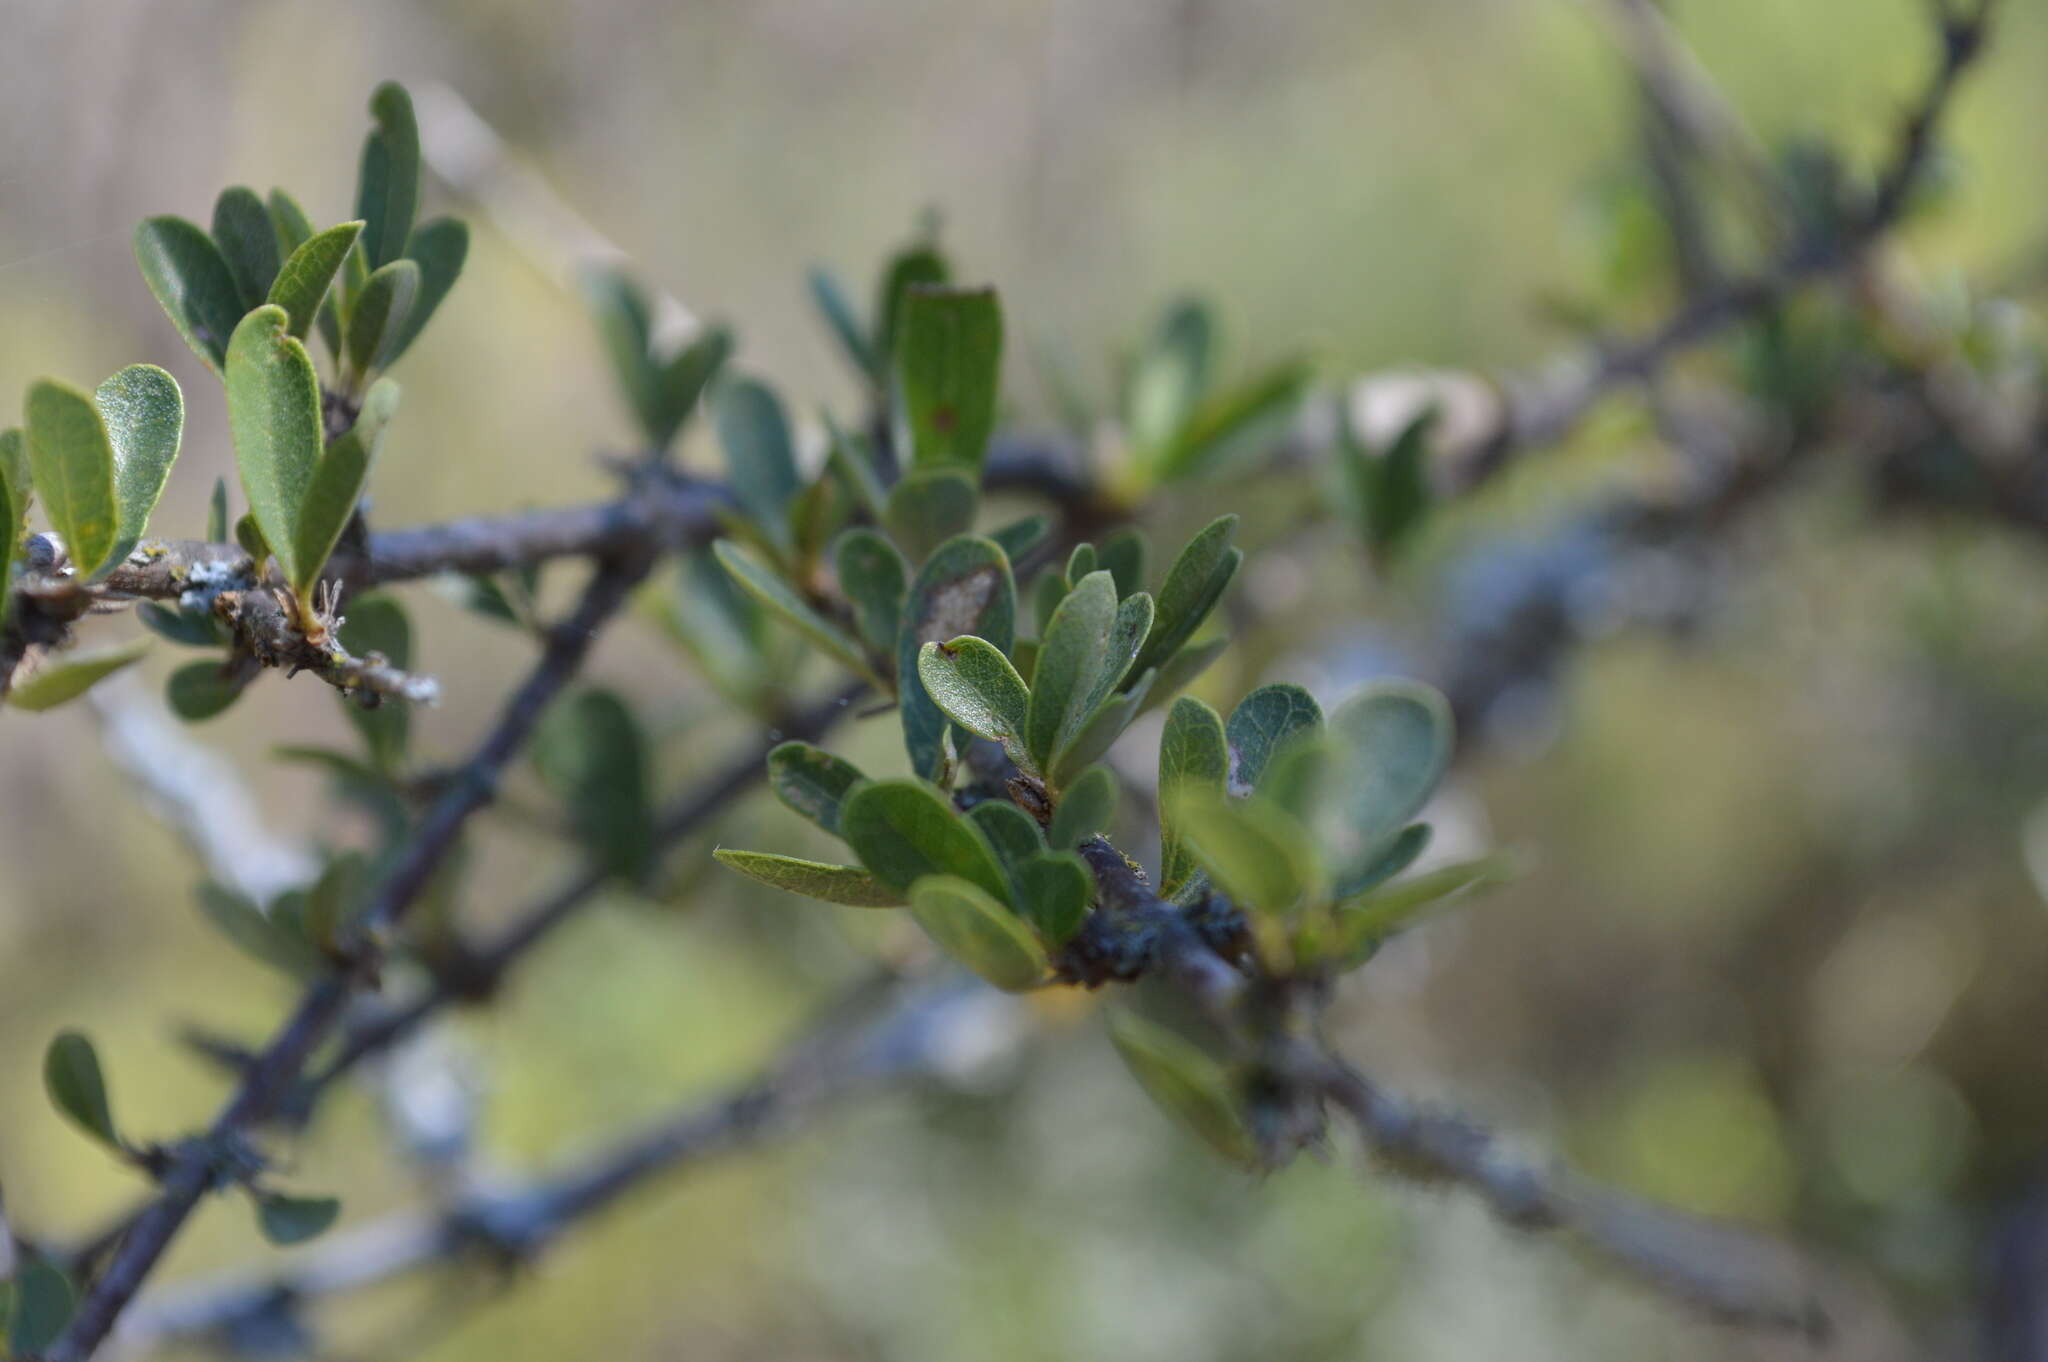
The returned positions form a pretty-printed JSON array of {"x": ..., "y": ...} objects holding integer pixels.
[{"x": 197, "y": 1168}]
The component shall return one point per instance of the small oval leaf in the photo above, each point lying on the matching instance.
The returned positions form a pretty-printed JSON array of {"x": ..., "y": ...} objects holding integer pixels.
[{"x": 977, "y": 930}]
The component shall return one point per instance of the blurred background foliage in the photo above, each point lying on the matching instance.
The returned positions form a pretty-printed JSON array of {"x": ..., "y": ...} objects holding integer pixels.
[{"x": 1779, "y": 955}]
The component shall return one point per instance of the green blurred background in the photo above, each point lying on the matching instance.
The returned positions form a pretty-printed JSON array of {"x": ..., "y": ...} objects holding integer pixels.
[{"x": 1779, "y": 955}]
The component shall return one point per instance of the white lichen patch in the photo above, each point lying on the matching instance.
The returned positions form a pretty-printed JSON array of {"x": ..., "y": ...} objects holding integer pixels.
[{"x": 205, "y": 580}]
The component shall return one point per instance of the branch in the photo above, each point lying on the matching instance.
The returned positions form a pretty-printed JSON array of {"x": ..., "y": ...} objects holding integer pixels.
[
  {"x": 478, "y": 973},
  {"x": 919, "y": 1033},
  {"x": 1543, "y": 411},
  {"x": 197, "y": 1168},
  {"x": 1732, "y": 1274}
]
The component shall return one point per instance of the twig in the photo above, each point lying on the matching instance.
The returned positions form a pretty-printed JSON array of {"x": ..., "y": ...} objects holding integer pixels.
[
  {"x": 1731, "y": 1273},
  {"x": 918, "y": 1034},
  {"x": 479, "y": 973},
  {"x": 195, "y": 1170},
  {"x": 1543, "y": 411}
]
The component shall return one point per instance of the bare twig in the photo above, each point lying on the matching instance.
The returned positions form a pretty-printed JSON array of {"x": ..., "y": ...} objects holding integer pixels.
[
  {"x": 479, "y": 972},
  {"x": 1732, "y": 1273},
  {"x": 939, "y": 1029},
  {"x": 197, "y": 1168}
]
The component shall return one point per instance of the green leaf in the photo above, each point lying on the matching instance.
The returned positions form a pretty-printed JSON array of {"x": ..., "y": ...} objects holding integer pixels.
[
  {"x": 767, "y": 586},
  {"x": 928, "y": 507},
  {"x": 760, "y": 453},
  {"x": 1054, "y": 893},
  {"x": 1260, "y": 855},
  {"x": 72, "y": 1077},
  {"x": 331, "y": 904},
  {"x": 377, "y": 623},
  {"x": 978, "y": 931},
  {"x": 293, "y": 1219},
  {"x": 852, "y": 462},
  {"x": 904, "y": 830},
  {"x": 1087, "y": 649},
  {"x": 378, "y": 314},
  {"x": 186, "y": 272},
  {"x": 294, "y": 228},
  {"x": 1193, "y": 756},
  {"x": 337, "y": 485},
  {"x": 1389, "y": 491},
  {"x": 10, "y": 543},
  {"x": 1262, "y": 723},
  {"x": 847, "y": 884},
  {"x": 43, "y": 1304},
  {"x": 440, "y": 248},
  {"x": 723, "y": 629},
  {"x": 1234, "y": 425},
  {"x": 1293, "y": 781},
  {"x": 1393, "y": 741},
  {"x": 963, "y": 588},
  {"x": 1186, "y": 1082},
  {"x": 949, "y": 352},
  {"x": 1172, "y": 374},
  {"x": 838, "y": 313},
  {"x": 873, "y": 578},
  {"x": 145, "y": 419},
  {"x": 200, "y": 690},
  {"x": 625, "y": 325},
  {"x": 388, "y": 187},
  {"x": 1122, "y": 556},
  {"x": 259, "y": 935},
  {"x": 1369, "y": 919},
  {"x": 274, "y": 418},
  {"x": 920, "y": 264},
  {"x": 72, "y": 458},
  {"x": 1080, "y": 562},
  {"x": 1399, "y": 855},
  {"x": 971, "y": 680},
  {"x": 592, "y": 753},
  {"x": 678, "y": 384},
  {"x": 14, "y": 473},
  {"x": 1181, "y": 669},
  {"x": 1020, "y": 537},
  {"x": 1013, "y": 833},
  {"x": 58, "y": 680},
  {"x": 305, "y": 277},
  {"x": 217, "y": 512},
  {"x": 1085, "y": 808},
  {"x": 1047, "y": 592},
  {"x": 247, "y": 239},
  {"x": 1193, "y": 586},
  {"x": 251, "y": 539},
  {"x": 1100, "y": 733},
  {"x": 812, "y": 782}
]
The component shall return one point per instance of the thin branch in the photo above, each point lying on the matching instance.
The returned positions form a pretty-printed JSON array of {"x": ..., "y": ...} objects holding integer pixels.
[
  {"x": 478, "y": 973},
  {"x": 933, "y": 1030},
  {"x": 1733, "y": 1274},
  {"x": 1542, "y": 411},
  {"x": 196, "y": 1169}
]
